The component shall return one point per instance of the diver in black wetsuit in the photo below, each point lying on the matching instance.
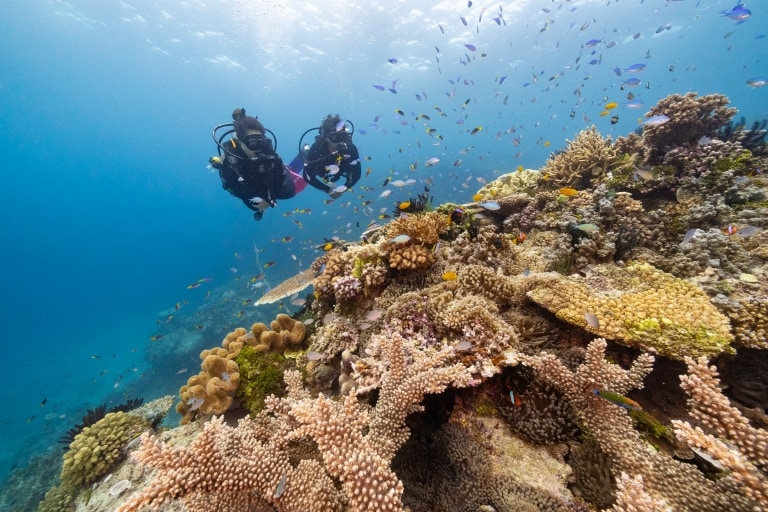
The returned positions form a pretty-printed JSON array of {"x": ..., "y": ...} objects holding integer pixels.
[
  {"x": 249, "y": 167},
  {"x": 331, "y": 157}
]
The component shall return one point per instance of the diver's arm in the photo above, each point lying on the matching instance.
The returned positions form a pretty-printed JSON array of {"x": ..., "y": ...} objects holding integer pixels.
[
  {"x": 352, "y": 171},
  {"x": 310, "y": 176}
]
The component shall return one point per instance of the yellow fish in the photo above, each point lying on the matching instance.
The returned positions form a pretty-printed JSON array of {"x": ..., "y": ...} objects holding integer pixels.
[
  {"x": 610, "y": 106},
  {"x": 547, "y": 144},
  {"x": 404, "y": 205},
  {"x": 328, "y": 246},
  {"x": 567, "y": 191},
  {"x": 477, "y": 197},
  {"x": 476, "y": 130},
  {"x": 604, "y": 113},
  {"x": 450, "y": 275}
]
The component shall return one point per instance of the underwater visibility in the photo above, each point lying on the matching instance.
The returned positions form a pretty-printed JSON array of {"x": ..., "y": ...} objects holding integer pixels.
[{"x": 405, "y": 256}]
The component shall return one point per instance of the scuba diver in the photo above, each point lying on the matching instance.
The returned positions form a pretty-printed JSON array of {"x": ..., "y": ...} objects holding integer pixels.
[
  {"x": 249, "y": 167},
  {"x": 331, "y": 157}
]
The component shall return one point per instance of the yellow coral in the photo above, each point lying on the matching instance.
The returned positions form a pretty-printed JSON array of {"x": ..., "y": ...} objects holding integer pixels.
[
  {"x": 638, "y": 306},
  {"x": 523, "y": 181},
  {"x": 421, "y": 228},
  {"x": 411, "y": 257}
]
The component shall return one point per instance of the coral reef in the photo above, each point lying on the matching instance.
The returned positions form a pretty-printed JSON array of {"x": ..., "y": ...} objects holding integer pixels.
[
  {"x": 97, "y": 448},
  {"x": 678, "y": 484},
  {"x": 589, "y": 156},
  {"x": 638, "y": 306},
  {"x": 690, "y": 118},
  {"x": 521, "y": 181}
]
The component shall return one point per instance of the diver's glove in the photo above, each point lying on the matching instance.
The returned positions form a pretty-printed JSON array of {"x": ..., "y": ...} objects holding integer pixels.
[
  {"x": 259, "y": 204},
  {"x": 336, "y": 192},
  {"x": 215, "y": 162}
]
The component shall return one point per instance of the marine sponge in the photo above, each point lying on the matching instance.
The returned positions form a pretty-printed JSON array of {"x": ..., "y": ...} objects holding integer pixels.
[
  {"x": 588, "y": 156},
  {"x": 98, "y": 447},
  {"x": 639, "y": 306}
]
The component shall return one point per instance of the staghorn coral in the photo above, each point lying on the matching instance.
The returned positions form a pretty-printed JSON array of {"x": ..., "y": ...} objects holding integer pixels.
[
  {"x": 680, "y": 485},
  {"x": 589, "y": 156},
  {"x": 98, "y": 447},
  {"x": 712, "y": 410},
  {"x": 239, "y": 468},
  {"x": 633, "y": 498},
  {"x": 690, "y": 118},
  {"x": 639, "y": 306}
]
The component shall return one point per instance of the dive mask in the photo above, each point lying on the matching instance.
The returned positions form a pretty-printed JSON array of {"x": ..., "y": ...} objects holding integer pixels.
[{"x": 258, "y": 143}]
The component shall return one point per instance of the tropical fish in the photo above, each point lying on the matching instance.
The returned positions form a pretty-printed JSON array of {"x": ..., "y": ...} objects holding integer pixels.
[
  {"x": 392, "y": 60},
  {"x": 462, "y": 346},
  {"x": 450, "y": 275},
  {"x": 757, "y": 82},
  {"x": 632, "y": 82},
  {"x": 476, "y": 130},
  {"x": 611, "y": 105},
  {"x": 470, "y": 47},
  {"x": 379, "y": 87},
  {"x": 634, "y": 104},
  {"x": 385, "y": 193},
  {"x": 490, "y": 205},
  {"x": 737, "y": 13},
  {"x": 404, "y": 205},
  {"x": 332, "y": 169},
  {"x": 620, "y": 400},
  {"x": 269, "y": 264},
  {"x": 400, "y": 239},
  {"x": 656, "y": 120},
  {"x": 592, "y": 320},
  {"x": 514, "y": 399},
  {"x": 635, "y": 68},
  {"x": 592, "y": 43},
  {"x": 155, "y": 337},
  {"x": 193, "y": 285},
  {"x": 587, "y": 228},
  {"x": 567, "y": 191},
  {"x": 432, "y": 161},
  {"x": 747, "y": 231},
  {"x": 689, "y": 235}
]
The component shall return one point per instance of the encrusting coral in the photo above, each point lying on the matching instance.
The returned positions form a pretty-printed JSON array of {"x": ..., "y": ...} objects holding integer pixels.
[{"x": 638, "y": 306}]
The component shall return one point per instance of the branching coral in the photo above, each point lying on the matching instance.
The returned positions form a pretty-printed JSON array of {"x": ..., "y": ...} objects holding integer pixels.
[
  {"x": 680, "y": 485},
  {"x": 247, "y": 466},
  {"x": 587, "y": 157},
  {"x": 639, "y": 306}
]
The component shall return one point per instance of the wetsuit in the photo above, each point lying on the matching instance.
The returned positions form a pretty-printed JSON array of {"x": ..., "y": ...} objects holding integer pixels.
[
  {"x": 261, "y": 176},
  {"x": 319, "y": 170}
]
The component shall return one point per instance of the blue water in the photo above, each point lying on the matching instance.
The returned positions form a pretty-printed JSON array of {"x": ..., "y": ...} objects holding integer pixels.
[{"x": 109, "y": 212}]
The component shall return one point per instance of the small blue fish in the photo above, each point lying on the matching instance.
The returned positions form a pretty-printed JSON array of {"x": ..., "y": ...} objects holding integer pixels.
[
  {"x": 634, "y": 104},
  {"x": 490, "y": 205},
  {"x": 737, "y": 13},
  {"x": 747, "y": 231},
  {"x": 620, "y": 400},
  {"x": 592, "y": 43},
  {"x": 656, "y": 120},
  {"x": 470, "y": 47},
  {"x": 757, "y": 82},
  {"x": 689, "y": 235},
  {"x": 392, "y": 60},
  {"x": 632, "y": 82},
  {"x": 635, "y": 68},
  {"x": 379, "y": 87}
]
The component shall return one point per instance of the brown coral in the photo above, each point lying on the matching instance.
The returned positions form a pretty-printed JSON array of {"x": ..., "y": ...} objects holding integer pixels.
[
  {"x": 690, "y": 118},
  {"x": 423, "y": 229},
  {"x": 410, "y": 257},
  {"x": 588, "y": 156}
]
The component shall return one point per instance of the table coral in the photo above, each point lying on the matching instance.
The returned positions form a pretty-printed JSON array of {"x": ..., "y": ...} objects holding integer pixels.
[{"x": 639, "y": 306}]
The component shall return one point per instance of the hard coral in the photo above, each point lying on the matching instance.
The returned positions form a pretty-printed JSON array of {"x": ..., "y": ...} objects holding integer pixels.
[
  {"x": 410, "y": 257},
  {"x": 690, "y": 118},
  {"x": 639, "y": 306},
  {"x": 523, "y": 181},
  {"x": 423, "y": 229},
  {"x": 587, "y": 157},
  {"x": 98, "y": 447}
]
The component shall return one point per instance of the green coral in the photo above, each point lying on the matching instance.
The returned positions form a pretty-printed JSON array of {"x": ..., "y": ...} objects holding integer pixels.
[
  {"x": 487, "y": 409},
  {"x": 261, "y": 374},
  {"x": 96, "y": 449},
  {"x": 357, "y": 270}
]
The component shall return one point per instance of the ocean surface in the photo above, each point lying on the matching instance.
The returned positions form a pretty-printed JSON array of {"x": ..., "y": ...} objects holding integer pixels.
[{"x": 122, "y": 255}]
